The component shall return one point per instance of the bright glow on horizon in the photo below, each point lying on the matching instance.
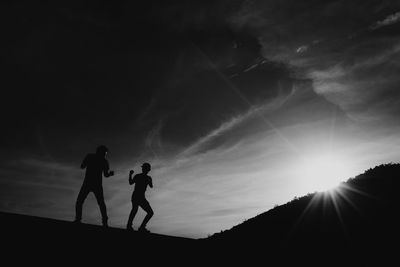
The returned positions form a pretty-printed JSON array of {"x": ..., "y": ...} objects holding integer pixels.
[{"x": 322, "y": 172}]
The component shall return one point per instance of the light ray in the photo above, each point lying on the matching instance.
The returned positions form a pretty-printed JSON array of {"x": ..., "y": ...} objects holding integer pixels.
[
  {"x": 355, "y": 190},
  {"x": 333, "y": 197},
  {"x": 332, "y": 129},
  {"x": 314, "y": 200},
  {"x": 344, "y": 196}
]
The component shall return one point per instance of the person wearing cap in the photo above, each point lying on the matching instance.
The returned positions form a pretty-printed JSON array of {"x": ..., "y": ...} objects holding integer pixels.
[
  {"x": 96, "y": 166},
  {"x": 141, "y": 181}
]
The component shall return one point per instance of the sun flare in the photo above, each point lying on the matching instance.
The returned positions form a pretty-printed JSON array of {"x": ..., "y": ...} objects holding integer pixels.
[{"x": 323, "y": 171}]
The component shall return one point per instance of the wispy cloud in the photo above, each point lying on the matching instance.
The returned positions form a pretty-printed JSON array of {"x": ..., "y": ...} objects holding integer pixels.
[
  {"x": 389, "y": 20},
  {"x": 153, "y": 140},
  {"x": 360, "y": 82},
  {"x": 302, "y": 49},
  {"x": 39, "y": 187},
  {"x": 225, "y": 126},
  {"x": 255, "y": 111}
]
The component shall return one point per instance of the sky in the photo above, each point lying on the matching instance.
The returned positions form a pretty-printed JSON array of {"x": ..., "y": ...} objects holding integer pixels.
[{"x": 239, "y": 106}]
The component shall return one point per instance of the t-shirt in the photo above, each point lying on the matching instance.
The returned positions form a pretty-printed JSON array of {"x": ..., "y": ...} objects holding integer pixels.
[
  {"x": 95, "y": 167},
  {"x": 141, "y": 181}
]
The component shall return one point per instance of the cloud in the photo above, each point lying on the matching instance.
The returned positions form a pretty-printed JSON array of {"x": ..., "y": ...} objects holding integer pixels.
[
  {"x": 39, "y": 187},
  {"x": 365, "y": 80},
  {"x": 302, "y": 49},
  {"x": 153, "y": 140},
  {"x": 283, "y": 27},
  {"x": 225, "y": 126},
  {"x": 389, "y": 20},
  {"x": 230, "y": 212}
]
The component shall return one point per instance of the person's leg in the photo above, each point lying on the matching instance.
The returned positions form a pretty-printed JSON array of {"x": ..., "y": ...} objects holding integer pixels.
[
  {"x": 83, "y": 193},
  {"x": 98, "y": 192},
  {"x": 146, "y": 206},
  {"x": 132, "y": 215}
]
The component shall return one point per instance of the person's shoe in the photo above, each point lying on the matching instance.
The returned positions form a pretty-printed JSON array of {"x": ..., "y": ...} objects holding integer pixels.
[
  {"x": 77, "y": 221},
  {"x": 129, "y": 228},
  {"x": 105, "y": 224},
  {"x": 143, "y": 230}
]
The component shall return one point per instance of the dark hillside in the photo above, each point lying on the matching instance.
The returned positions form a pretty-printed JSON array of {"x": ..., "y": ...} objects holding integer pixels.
[
  {"x": 357, "y": 224},
  {"x": 41, "y": 241}
]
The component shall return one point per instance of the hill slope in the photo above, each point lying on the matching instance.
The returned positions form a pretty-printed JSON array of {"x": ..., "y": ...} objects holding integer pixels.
[
  {"x": 357, "y": 223},
  {"x": 35, "y": 240}
]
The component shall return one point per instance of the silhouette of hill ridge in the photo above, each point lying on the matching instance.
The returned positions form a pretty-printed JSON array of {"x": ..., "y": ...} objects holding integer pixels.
[
  {"x": 356, "y": 223},
  {"x": 29, "y": 240},
  {"x": 58, "y": 224}
]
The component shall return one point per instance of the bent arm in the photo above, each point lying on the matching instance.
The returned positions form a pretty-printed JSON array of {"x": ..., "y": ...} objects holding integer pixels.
[
  {"x": 150, "y": 183},
  {"x": 84, "y": 162},
  {"x": 131, "y": 180},
  {"x": 107, "y": 172}
]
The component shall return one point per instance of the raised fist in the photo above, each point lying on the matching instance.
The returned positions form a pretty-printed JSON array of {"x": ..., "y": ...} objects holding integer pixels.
[
  {"x": 111, "y": 173},
  {"x": 131, "y": 172}
]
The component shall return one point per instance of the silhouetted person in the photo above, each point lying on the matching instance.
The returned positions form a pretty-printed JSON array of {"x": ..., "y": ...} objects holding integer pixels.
[
  {"x": 96, "y": 165},
  {"x": 141, "y": 181}
]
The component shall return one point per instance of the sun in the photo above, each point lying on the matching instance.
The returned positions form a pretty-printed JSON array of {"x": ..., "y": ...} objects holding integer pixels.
[{"x": 321, "y": 172}]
